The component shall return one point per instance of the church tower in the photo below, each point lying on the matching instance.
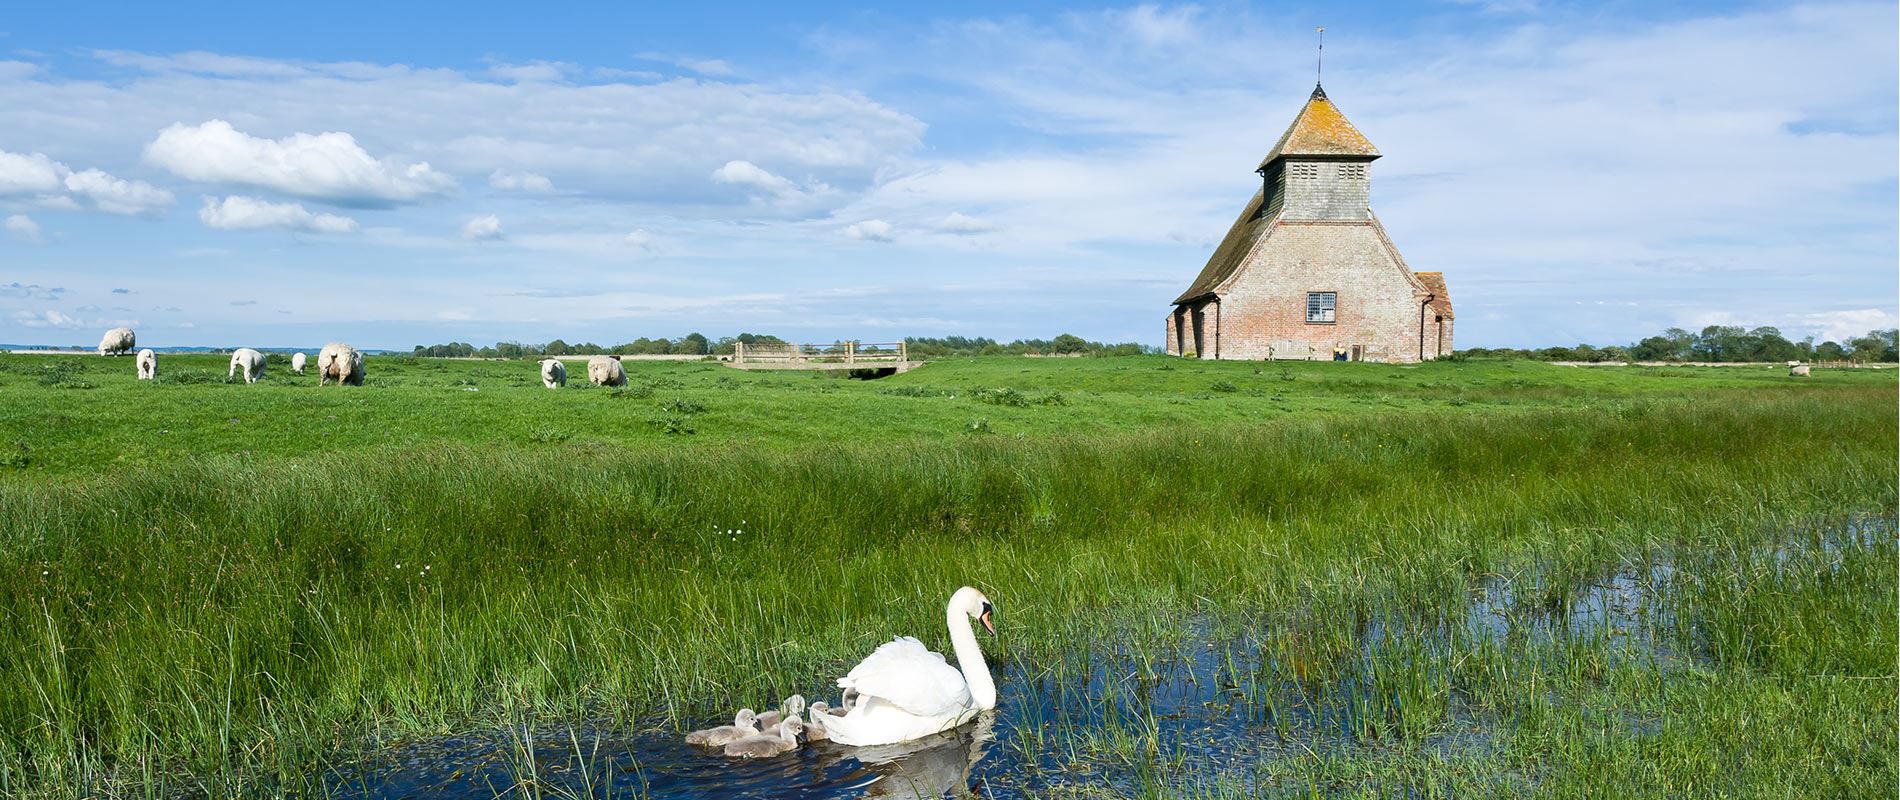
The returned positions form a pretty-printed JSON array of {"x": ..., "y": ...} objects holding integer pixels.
[{"x": 1307, "y": 272}]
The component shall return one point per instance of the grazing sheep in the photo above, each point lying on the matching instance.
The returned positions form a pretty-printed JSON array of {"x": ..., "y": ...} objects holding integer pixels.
[
  {"x": 117, "y": 342},
  {"x": 1798, "y": 371},
  {"x": 251, "y": 361},
  {"x": 553, "y": 373},
  {"x": 148, "y": 364},
  {"x": 340, "y": 362},
  {"x": 296, "y": 363},
  {"x": 606, "y": 371}
]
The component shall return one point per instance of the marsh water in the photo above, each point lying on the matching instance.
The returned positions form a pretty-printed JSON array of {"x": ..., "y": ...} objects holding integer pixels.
[{"x": 1215, "y": 708}]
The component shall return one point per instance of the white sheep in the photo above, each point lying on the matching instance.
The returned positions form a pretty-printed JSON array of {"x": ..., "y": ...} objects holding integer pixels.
[
  {"x": 340, "y": 362},
  {"x": 251, "y": 361},
  {"x": 606, "y": 371},
  {"x": 296, "y": 363},
  {"x": 118, "y": 341},
  {"x": 553, "y": 373},
  {"x": 148, "y": 364},
  {"x": 1798, "y": 371}
]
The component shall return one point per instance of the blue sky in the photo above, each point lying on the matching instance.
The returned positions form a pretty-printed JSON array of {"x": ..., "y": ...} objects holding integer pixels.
[{"x": 268, "y": 175}]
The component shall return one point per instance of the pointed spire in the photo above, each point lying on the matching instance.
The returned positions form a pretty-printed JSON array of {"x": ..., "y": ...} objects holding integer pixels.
[{"x": 1320, "y": 130}]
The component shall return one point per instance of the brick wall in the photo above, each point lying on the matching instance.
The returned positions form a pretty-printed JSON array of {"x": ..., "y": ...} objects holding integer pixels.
[{"x": 1263, "y": 306}]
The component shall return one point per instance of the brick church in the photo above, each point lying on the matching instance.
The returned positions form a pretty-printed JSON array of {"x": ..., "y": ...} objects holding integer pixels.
[{"x": 1307, "y": 272}]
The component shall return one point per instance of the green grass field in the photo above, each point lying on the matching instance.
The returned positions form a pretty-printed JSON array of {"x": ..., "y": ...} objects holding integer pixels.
[{"x": 217, "y": 589}]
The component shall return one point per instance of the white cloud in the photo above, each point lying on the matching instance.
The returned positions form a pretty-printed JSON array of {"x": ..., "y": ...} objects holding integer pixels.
[
  {"x": 959, "y": 223},
  {"x": 29, "y": 173},
  {"x": 237, "y": 213},
  {"x": 483, "y": 228},
  {"x": 520, "y": 182},
  {"x": 1840, "y": 326},
  {"x": 870, "y": 230},
  {"x": 639, "y": 238},
  {"x": 713, "y": 67},
  {"x": 23, "y": 228},
  {"x": 746, "y": 173},
  {"x": 58, "y": 186},
  {"x": 326, "y": 166},
  {"x": 117, "y": 195},
  {"x": 45, "y": 319}
]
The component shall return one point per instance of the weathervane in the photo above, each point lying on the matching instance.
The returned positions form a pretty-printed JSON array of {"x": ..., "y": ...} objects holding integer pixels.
[{"x": 1319, "y": 63}]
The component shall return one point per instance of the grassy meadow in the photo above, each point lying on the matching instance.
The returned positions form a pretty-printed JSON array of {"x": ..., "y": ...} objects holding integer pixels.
[{"x": 211, "y": 589}]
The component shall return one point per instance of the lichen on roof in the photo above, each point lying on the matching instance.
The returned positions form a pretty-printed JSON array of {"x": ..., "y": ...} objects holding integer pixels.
[
  {"x": 1320, "y": 130},
  {"x": 1233, "y": 249}
]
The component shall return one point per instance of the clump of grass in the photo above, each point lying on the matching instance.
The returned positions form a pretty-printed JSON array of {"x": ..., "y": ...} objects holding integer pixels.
[
  {"x": 1225, "y": 386},
  {"x": 682, "y": 405},
  {"x": 543, "y": 434},
  {"x": 673, "y": 424},
  {"x": 1001, "y": 396},
  {"x": 913, "y": 391},
  {"x": 186, "y": 376},
  {"x": 19, "y": 456},
  {"x": 978, "y": 426},
  {"x": 1051, "y": 398},
  {"x": 632, "y": 391}
]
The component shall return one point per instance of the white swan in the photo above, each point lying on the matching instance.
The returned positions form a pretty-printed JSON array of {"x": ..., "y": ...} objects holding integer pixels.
[{"x": 905, "y": 691}]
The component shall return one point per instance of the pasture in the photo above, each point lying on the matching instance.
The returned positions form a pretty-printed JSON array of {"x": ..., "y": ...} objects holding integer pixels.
[{"x": 1213, "y": 579}]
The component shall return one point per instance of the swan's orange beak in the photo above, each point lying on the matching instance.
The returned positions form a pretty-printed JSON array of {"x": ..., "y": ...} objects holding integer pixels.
[{"x": 987, "y": 624}]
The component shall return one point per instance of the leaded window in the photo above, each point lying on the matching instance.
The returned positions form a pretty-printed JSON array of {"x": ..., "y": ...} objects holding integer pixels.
[{"x": 1320, "y": 306}]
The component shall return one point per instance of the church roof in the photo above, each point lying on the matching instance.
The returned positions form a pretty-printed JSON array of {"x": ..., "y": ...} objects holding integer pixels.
[
  {"x": 1320, "y": 130},
  {"x": 1441, "y": 297},
  {"x": 1232, "y": 250}
]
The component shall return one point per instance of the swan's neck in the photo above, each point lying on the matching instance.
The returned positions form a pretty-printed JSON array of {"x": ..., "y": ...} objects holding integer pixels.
[{"x": 976, "y": 672}]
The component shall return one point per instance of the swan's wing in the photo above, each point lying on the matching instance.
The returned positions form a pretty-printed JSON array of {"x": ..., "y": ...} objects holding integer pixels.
[{"x": 905, "y": 674}]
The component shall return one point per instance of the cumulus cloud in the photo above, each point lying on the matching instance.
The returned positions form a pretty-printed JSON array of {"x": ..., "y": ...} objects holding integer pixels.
[
  {"x": 1840, "y": 326},
  {"x": 23, "y": 228},
  {"x": 44, "y": 319},
  {"x": 870, "y": 230},
  {"x": 117, "y": 195},
  {"x": 483, "y": 228},
  {"x": 238, "y": 213},
  {"x": 962, "y": 224},
  {"x": 748, "y": 174},
  {"x": 29, "y": 173},
  {"x": 327, "y": 166},
  {"x": 520, "y": 182},
  {"x": 58, "y": 186}
]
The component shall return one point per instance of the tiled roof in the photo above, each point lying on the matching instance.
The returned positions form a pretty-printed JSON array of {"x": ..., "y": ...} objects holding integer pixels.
[
  {"x": 1441, "y": 297},
  {"x": 1320, "y": 130},
  {"x": 1233, "y": 249}
]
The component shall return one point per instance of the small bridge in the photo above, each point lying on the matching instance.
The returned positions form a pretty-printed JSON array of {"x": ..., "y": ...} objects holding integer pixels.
[{"x": 886, "y": 358}]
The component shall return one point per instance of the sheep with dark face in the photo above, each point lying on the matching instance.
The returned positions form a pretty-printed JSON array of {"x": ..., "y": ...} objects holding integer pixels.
[
  {"x": 606, "y": 371},
  {"x": 553, "y": 373},
  {"x": 341, "y": 363},
  {"x": 118, "y": 341},
  {"x": 148, "y": 364},
  {"x": 251, "y": 361}
]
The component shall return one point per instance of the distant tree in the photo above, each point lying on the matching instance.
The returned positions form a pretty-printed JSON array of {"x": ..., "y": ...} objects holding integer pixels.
[
  {"x": 1830, "y": 351},
  {"x": 1069, "y": 343}
]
